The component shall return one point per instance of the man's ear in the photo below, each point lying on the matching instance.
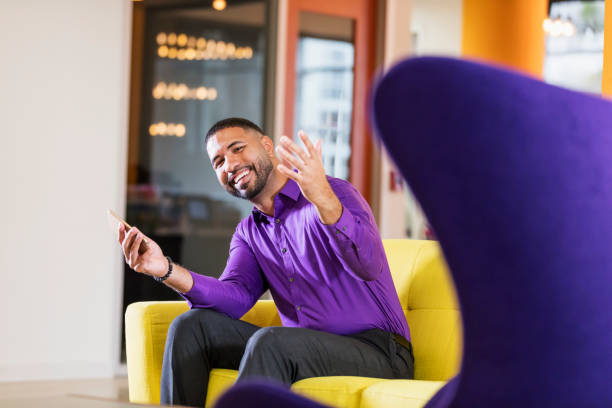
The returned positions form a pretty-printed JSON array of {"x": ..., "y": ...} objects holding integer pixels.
[{"x": 268, "y": 144}]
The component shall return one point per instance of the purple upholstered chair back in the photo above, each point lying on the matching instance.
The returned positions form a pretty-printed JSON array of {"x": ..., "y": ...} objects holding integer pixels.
[{"x": 515, "y": 177}]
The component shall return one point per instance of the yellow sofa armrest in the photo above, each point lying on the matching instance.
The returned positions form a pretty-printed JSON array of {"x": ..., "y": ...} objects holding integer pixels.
[{"x": 146, "y": 327}]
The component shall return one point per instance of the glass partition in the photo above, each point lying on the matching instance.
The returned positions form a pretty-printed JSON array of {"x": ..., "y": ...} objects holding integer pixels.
[{"x": 199, "y": 65}]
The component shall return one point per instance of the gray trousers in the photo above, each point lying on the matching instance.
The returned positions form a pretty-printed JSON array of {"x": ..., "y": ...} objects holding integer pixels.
[{"x": 202, "y": 339}]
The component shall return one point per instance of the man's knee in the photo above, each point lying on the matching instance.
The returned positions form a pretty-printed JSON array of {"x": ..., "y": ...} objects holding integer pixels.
[
  {"x": 190, "y": 325},
  {"x": 266, "y": 340},
  {"x": 268, "y": 355}
]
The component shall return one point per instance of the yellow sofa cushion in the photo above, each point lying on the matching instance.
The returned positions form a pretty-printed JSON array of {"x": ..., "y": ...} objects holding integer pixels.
[
  {"x": 399, "y": 393},
  {"x": 219, "y": 381},
  {"x": 340, "y": 392}
]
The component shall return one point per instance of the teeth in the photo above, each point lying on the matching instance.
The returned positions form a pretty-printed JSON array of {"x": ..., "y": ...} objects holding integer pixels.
[{"x": 240, "y": 176}]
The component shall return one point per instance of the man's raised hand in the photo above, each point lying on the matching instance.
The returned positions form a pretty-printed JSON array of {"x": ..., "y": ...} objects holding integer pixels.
[{"x": 310, "y": 175}]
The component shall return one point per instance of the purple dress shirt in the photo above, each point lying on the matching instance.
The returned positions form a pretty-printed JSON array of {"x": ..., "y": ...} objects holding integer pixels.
[{"x": 333, "y": 278}]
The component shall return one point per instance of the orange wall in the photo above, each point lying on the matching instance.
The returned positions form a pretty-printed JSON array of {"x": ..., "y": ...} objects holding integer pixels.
[
  {"x": 507, "y": 32},
  {"x": 607, "y": 71}
]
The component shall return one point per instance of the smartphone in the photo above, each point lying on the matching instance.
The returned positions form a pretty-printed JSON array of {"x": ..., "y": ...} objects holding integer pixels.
[{"x": 143, "y": 244}]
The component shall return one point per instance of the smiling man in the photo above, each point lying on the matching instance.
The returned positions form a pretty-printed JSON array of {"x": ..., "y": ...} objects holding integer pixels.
[{"x": 312, "y": 241}]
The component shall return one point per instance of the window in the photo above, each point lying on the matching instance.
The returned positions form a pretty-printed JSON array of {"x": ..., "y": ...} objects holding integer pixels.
[
  {"x": 324, "y": 86},
  {"x": 574, "y": 45}
]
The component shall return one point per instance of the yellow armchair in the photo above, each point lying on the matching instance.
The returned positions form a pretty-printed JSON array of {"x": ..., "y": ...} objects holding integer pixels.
[{"x": 427, "y": 296}]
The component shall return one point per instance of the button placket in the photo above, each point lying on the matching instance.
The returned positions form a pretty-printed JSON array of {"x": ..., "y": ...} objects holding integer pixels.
[{"x": 287, "y": 262}]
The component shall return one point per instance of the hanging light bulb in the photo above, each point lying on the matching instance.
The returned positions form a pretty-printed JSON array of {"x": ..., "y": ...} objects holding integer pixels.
[
  {"x": 219, "y": 5},
  {"x": 569, "y": 29},
  {"x": 547, "y": 25},
  {"x": 557, "y": 28}
]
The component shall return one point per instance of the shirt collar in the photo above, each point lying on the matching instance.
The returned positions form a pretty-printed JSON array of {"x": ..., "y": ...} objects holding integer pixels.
[{"x": 290, "y": 190}]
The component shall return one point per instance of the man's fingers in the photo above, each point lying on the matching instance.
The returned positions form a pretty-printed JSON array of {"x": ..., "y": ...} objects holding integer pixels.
[
  {"x": 318, "y": 147},
  {"x": 288, "y": 172},
  {"x": 294, "y": 148},
  {"x": 307, "y": 142},
  {"x": 286, "y": 163},
  {"x": 134, "y": 250},
  {"x": 121, "y": 233},
  {"x": 128, "y": 241},
  {"x": 288, "y": 158}
]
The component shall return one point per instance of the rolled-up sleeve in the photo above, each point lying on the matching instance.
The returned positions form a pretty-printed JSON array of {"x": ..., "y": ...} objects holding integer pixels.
[
  {"x": 238, "y": 288},
  {"x": 354, "y": 237}
]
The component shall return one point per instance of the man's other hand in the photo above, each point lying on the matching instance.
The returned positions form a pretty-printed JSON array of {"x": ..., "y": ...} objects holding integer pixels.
[{"x": 150, "y": 261}]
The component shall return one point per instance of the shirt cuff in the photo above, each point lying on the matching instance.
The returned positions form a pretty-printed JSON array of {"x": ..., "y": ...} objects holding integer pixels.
[
  {"x": 343, "y": 229},
  {"x": 198, "y": 292}
]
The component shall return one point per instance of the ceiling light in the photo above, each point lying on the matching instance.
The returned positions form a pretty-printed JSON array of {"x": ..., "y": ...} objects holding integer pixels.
[
  {"x": 219, "y": 5},
  {"x": 171, "y": 39},
  {"x": 161, "y": 38}
]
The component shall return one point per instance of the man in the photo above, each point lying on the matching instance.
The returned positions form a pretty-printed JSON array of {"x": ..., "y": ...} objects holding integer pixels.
[{"x": 312, "y": 241}]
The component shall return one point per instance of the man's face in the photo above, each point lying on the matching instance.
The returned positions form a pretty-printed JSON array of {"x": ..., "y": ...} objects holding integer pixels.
[{"x": 241, "y": 159}]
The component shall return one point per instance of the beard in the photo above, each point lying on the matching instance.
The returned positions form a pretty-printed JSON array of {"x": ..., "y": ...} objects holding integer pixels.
[{"x": 260, "y": 172}]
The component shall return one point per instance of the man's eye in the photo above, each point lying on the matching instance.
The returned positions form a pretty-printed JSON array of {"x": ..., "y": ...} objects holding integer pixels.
[
  {"x": 218, "y": 163},
  {"x": 238, "y": 149}
]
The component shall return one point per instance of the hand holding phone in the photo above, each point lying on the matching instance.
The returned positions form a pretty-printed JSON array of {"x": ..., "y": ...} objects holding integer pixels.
[
  {"x": 113, "y": 216},
  {"x": 141, "y": 253}
]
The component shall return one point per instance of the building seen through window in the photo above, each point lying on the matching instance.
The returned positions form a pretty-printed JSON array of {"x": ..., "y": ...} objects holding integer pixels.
[
  {"x": 324, "y": 98},
  {"x": 574, "y": 45}
]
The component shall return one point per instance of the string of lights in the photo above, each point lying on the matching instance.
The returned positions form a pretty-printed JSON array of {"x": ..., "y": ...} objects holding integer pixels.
[
  {"x": 184, "y": 47},
  {"x": 558, "y": 27},
  {"x": 181, "y": 91},
  {"x": 167, "y": 129}
]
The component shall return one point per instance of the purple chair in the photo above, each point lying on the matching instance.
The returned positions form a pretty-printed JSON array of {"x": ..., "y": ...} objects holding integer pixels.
[{"x": 515, "y": 177}]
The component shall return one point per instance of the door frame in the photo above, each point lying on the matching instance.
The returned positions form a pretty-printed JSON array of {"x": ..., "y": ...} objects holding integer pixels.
[{"x": 363, "y": 12}]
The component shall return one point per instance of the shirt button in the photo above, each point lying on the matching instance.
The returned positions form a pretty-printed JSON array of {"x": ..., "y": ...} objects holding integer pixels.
[
  {"x": 344, "y": 228},
  {"x": 299, "y": 308},
  {"x": 284, "y": 250},
  {"x": 277, "y": 221},
  {"x": 290, "y": 279}
]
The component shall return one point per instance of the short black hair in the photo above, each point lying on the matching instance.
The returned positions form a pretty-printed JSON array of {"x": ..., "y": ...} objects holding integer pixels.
[{"x": 232, "y": 122}]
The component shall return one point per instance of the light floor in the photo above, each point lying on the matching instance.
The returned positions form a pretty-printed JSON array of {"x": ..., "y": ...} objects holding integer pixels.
[{"x": 108, "y": 388}]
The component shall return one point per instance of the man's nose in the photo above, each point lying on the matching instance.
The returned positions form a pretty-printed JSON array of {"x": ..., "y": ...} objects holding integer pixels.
[{"x": 232, "y": 164}]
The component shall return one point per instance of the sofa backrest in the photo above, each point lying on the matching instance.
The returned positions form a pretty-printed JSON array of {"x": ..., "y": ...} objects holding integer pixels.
[{"x": 427, "y": 295}]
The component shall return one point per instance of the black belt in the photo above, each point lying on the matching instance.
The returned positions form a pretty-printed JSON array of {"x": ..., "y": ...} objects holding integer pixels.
[{"x": 401, "y": 340}]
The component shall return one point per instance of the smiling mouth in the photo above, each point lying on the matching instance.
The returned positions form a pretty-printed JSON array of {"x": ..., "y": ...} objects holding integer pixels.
[{"x": 241, "y": 179}]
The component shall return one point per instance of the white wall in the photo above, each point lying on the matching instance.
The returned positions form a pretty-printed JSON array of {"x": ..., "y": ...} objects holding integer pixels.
[
  {"x": 64, "y": 76},
  {"x": 437, "y": 24},
  {"x": 397, "y": 45}
]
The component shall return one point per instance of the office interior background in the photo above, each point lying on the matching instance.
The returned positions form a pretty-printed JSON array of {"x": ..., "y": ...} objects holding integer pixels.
[{"x": 106, "y": 102}]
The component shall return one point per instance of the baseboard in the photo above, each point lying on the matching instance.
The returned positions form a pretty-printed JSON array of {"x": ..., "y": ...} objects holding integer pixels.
[{"x": 59, "y": 371}]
